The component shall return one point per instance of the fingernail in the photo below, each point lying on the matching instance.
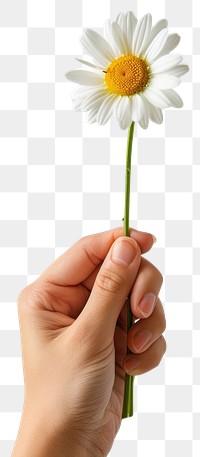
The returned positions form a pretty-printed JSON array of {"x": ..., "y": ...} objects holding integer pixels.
[
  {"x": 141, "y": 339},
  {"x": 154, "y": 238},
  {"x": 123, "y": 252},
  {"x": 131, "y": 364},
  {"x": 147, "y": 304}
]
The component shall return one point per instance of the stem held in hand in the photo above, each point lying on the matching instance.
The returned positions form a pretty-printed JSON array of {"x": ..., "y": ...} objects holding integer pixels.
[{"x": 129, "y": 380}]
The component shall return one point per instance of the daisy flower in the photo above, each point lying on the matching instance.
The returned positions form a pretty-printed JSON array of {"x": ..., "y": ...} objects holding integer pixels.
[{"x": 132, "y": 73}]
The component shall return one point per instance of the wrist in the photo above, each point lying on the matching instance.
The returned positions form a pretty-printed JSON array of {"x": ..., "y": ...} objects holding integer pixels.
[{"x": 38, "y": 437}]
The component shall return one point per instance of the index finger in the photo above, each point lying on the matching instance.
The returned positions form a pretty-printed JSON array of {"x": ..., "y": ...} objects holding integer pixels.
[{"x": 82, "y": 258}]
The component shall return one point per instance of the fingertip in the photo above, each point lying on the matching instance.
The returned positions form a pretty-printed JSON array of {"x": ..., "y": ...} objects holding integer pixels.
[
  {"x": 154, "y": 238},
  {"x": 145, "y": 307},
  {"x": 125, "y": 250},
  {"x": 144, "y": 239}
]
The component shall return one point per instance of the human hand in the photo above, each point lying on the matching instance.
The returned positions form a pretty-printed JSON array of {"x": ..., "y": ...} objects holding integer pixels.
[{"x": 73, "y": 332}]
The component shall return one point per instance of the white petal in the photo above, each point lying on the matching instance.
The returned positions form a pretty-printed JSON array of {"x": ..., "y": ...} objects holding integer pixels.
[
  {"x": 127, "y": 22},
  {"x": 157, "y": 98},
  {"x": 92, "y": 114},
  {"x": 144, "y": 121},
  {"x": 137, "y": 107},
  {"x": 89, "y": 49},
  {"x": 106, "y": 109},
  {"x": 165, "y": 63},
  {"x": 156, "y": 114},
  {"x": 131, "y": 22},
  {"x": 93, "y": 100},
  {"x": 90, "y": 64},
  {"x": 97, "y": 47},
  {"x": 77, "y": 105},
  {"x": 83, "y": 92},
  {"x": 156, "y": 45},
  {"x": 120, "y": 19},
  {"x": 174, "y": 99},
  {"x": 141, "y": 34},
  {"x": 95, "y": 104},
  {"x": 123, "y": 112},
  {"x": 178, "y": 71},
  {"x": 119, "y": 39},
  {"x": 164, "y": 81},
  {"x": 100, "y": 43},
  {"x": 87, "y": 78},
  {"x": 172, "y": 42},
  {"x": 160, "y": 25},
  {"x": 109, "y": 37}
]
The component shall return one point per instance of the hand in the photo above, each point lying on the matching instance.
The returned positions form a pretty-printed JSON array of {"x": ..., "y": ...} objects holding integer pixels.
[{"x": 73, "y": 332}]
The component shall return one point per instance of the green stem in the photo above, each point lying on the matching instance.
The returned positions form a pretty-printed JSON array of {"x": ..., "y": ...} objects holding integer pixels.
[{"x": 128, "y": 388}]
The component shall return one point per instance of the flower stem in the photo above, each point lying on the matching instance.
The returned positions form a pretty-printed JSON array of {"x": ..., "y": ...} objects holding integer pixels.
[{"x": 128, "y": 388}]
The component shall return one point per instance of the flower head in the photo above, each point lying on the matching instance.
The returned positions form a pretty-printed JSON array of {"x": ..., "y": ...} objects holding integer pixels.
[{"x": 133, "y": 74}]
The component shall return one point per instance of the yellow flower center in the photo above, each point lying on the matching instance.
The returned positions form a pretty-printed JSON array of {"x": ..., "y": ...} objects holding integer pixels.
[{"x": 127, "y": 75}]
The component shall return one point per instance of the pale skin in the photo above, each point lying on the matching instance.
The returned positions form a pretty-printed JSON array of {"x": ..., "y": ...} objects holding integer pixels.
[{"x": 73, "y": 333}]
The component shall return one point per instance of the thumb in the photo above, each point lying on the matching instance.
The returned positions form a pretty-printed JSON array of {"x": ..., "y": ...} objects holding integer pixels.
[{"x": 112, "y": 285}]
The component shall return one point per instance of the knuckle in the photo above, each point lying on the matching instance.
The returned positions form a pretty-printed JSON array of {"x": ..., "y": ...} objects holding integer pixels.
[
  {"x": 163, "y": 322},
  {"x": 157, "y": 360},
  {"x": 23, "y": 300},
  {"x": 161, "y": 349},
  {"x": 154, "y": 272},
  {"x": 27, "y": 297},
  {"x": 161, "y": 278},
  {"x": 22, "y": 297},
  {"x": 162, "y": 316},
  {"x": 84, "y": 239},
  {"x": 110, "y": 282},
  {"x": 158, "y": 275},
  {"x": 164, "y": 344},
  {"x": 156, "y": 353}
]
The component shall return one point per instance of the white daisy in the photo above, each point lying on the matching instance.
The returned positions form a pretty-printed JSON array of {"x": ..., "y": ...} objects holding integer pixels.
[{"x": 133, "y": 74}]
